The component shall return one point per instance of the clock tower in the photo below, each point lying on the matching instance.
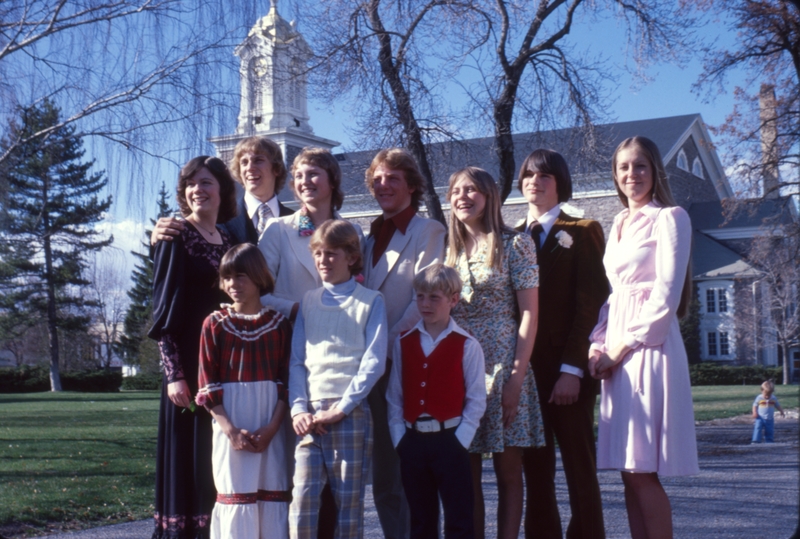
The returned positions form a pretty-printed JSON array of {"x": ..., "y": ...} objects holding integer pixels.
[{"x": 273, "y": 61}]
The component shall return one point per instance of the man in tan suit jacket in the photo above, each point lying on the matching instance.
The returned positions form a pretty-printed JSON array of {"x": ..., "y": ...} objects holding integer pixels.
[
  {"x": 399, "y": 245},
  {"x": 572, "y": 288}
]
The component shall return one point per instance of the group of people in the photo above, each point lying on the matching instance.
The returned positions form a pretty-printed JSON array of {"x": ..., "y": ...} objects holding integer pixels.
[{"x": 301, "y": 357}]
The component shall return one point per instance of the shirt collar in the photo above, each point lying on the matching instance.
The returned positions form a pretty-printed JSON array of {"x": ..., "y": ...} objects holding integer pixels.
[
  {"x": 650, "y": 211},
  {"x": 547, "y": 220},
  {"x": 252, "y": 204},
  {"x": 451, "y": 327},
  {"x": 400, "y": 221}
]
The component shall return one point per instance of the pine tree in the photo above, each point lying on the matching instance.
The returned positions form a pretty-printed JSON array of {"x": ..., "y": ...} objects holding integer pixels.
[
  {"x": 50, "y": 211},
  {"x": 140, "y": 312}
]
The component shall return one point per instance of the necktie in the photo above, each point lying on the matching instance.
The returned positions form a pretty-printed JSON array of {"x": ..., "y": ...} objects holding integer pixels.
[
  {"x": 536, "y": 234},
  {"x": 264, "y": 215}
]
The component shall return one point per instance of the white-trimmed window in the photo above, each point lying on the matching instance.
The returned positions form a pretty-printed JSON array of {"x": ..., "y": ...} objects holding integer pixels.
[
  {"x": 683, "y": 162},
  {"x": 716, "y": 300},
  {"x": 717, "y": 325},
  {"x": 697, "y": 167},
  {"x": 712, "y": 344},
  {"x": 724, "y": 347}
]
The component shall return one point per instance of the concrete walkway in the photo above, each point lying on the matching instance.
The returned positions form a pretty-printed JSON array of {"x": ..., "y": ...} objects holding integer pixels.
[{"x": 743, "y": 491}]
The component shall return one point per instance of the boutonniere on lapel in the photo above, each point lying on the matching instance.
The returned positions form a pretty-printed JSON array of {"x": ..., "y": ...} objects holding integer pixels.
[{"x": 564, "y": 239}]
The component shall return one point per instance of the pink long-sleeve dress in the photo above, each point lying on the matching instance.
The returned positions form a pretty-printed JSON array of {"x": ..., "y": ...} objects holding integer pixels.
[{"x": 646, "y": 419}]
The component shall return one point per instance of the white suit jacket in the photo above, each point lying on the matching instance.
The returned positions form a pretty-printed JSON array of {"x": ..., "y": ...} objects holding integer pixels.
[{"x": 407, "y": 254}]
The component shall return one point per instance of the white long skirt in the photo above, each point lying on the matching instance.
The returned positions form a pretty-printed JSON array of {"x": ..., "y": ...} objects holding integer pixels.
[{"x": 253, "y": 488}]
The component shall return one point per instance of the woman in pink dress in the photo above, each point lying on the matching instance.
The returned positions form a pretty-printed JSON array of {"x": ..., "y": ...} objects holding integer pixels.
[{"x": 646, "y": 424}]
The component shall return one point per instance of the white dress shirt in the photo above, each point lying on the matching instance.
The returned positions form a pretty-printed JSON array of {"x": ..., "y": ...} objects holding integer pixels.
[{"x": 252, "y": 204}]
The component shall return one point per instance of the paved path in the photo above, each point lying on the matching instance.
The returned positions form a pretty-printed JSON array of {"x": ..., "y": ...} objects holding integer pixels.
[{"x": 743, "y": 491}]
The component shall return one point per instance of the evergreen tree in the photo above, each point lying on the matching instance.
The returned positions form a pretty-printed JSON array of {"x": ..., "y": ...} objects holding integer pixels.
[
  {"x": 51, "y": 208},
  {"x": 139, "y": 317}
]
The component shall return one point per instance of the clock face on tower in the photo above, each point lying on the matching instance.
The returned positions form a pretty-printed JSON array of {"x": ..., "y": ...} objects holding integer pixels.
[{"x": 259, "y": 66}]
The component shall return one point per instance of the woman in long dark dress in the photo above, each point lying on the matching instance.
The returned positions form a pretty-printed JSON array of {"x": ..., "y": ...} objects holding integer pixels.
[{"x": 185, "y": 291}]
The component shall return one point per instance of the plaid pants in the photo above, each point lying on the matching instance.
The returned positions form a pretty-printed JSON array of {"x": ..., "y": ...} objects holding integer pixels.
[{"x": 341, "y": 458}]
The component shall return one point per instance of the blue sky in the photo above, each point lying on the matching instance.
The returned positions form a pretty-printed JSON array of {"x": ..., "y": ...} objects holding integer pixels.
[{"x": 667, "y": 92}]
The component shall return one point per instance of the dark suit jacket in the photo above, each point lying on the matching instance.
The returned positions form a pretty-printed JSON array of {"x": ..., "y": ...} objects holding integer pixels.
[
  {"x": 572, "y": 288},
  {"x": 241, "y": 227}
]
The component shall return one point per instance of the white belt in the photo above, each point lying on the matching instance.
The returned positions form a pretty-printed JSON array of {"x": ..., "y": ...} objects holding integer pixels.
[{"x": 430, "y": 424}]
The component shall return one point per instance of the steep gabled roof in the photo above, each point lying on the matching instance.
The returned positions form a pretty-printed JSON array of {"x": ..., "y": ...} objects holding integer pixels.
[
  {"x": 712, "y": 260},
  {"x": 591, "y": 170}
]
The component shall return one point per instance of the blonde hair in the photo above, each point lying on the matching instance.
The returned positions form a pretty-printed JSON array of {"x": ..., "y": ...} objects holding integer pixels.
[
  {"x": 768, "y": 388},
  {"x": 324, "y": 159},
  {"x": 492, "y": 219},
  {"x": 398, "y": 159},
  {"x": 339, "y": 234},
  {"x": 260, "y": 146},
  {"x": 438, "y": 278},
  {"x": 662, "y": 195}
]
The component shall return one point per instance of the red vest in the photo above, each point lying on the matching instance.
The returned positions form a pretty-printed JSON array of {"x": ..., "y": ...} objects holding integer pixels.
[{"x": 435, "y": 384}]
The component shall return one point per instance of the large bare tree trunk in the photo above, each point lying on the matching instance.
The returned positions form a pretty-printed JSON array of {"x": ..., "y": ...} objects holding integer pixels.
[
  {"x": 405, "y": 112},
  {"x": 504, "y": 143}
]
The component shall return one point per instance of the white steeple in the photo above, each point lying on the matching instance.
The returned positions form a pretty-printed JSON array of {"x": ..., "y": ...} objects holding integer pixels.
[{"x": 273, "y": 60}]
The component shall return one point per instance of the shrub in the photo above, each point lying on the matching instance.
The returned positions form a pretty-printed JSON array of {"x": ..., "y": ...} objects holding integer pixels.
[
  {"x": 710, "y": 374},
  {"x": 142, "y": 381},
  {"x": 27, "y": 379},
  {"x": 101, "y": 381}
]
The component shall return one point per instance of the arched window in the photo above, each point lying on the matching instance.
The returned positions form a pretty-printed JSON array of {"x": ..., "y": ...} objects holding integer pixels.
[
  {"x": 683, "y": 163},
  {"x": 697, "y": 167}
]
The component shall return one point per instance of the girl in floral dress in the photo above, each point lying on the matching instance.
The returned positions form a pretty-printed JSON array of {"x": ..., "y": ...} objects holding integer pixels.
[
  {"x": 499, "y": 306},
  {"x": 244, "y": 366}
]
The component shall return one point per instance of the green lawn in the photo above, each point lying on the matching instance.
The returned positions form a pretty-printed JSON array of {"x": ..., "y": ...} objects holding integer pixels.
[
  {"x": 79, "y": 459},
  {"x": 712, "y": 402}
]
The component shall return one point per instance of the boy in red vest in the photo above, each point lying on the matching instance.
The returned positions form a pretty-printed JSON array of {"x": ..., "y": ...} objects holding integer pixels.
[{"x": 436, "y": 398}]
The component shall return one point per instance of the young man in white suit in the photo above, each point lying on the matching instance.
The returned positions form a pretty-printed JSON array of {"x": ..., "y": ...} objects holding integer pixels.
[{"x": 399, "y": 245}]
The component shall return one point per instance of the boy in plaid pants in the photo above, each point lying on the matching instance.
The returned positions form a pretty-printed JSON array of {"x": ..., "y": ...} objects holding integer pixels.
[{"x": 338, "y": 354}]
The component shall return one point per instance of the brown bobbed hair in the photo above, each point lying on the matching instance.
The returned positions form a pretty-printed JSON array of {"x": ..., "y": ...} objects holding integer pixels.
[
  {"x": 662, "y": 195},
  {"x": 246, "y": 258},
  {"x": 260, "y": 146},
  {"x": 339, "y": 234},
  {"x": 548, "y": 162},
  {"x": 492, "y": 218},
  {"x": 227, "y": 187},
  {"x": 438, "y": 278},
  {"x": 398, "y": 159},
  {"x": 324, "y": 159}
]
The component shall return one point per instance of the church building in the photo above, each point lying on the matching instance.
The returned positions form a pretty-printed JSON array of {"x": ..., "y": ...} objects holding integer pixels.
[{"x": 273, "y": 58}]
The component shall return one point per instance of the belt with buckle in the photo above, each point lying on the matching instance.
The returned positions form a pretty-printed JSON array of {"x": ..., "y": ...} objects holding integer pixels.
[{"x": 430, "y": 424}]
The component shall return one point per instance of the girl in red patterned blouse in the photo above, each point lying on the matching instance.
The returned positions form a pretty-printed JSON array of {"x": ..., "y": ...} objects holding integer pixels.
[{"x": 244, "y": 365}]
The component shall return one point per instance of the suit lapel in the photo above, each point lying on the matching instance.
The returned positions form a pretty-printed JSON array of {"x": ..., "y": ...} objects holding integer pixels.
[
  {"x": 385, "y": 264},
  {"x": 299, "y": 246},
  {"x": 551, "y": 250}
]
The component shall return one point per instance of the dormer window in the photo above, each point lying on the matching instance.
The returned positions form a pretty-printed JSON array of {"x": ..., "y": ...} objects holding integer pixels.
[
  {"x": 683, "y": 162},
  {"x": 697, "y": 167}
]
